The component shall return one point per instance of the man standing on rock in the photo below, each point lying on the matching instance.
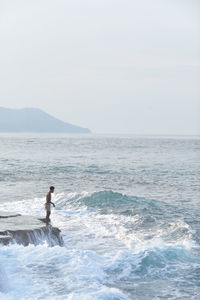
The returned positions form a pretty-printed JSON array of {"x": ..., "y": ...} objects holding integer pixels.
[{"x": 48, "y": 203}]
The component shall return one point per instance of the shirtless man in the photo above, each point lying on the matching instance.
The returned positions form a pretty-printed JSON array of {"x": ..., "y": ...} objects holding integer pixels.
[{"x": 48, "y": 203}]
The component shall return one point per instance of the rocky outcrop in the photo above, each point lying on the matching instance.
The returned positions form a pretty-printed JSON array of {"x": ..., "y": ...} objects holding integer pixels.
[{"x": 25, "y": 230}]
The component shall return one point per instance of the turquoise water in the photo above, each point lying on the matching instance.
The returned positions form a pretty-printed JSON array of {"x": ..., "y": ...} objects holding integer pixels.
[{"x": 128, "y": 208}]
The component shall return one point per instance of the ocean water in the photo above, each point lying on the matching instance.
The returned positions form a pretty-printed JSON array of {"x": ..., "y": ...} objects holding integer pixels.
[{"x": 128, "y": 209}]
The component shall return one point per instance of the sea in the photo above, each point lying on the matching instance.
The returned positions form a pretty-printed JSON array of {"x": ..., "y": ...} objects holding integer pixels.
[{"x": 127, "y": 207}]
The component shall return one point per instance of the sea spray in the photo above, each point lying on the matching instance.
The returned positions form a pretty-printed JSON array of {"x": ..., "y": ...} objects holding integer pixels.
[{"x": 128, "y": 209}]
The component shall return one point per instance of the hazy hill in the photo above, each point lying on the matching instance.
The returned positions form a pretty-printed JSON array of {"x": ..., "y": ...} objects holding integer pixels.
[{"x": 34, "y": 120}]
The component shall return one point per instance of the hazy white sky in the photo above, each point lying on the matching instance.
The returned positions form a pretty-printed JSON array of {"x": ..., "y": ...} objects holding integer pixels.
[{"x": 114, "y": 66}]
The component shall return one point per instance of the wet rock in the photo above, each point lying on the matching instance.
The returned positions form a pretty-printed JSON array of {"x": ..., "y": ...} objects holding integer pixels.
[
  {"x": 5, "y": 239},
  {"x": 25, "y": 230}
]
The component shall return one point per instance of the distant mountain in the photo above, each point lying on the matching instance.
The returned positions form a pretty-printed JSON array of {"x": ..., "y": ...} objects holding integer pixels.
[{"x": 34, "y": 120}]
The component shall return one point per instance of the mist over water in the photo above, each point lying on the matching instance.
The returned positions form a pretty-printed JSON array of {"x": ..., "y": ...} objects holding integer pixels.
[{"x": 128, "y": 209}]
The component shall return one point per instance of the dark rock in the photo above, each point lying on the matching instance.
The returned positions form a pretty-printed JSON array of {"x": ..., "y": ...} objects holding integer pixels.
[
  {"x": 4, "y": 214},
  {"x": 5, "y": 239},
  {"x": 25, "y": 230}
]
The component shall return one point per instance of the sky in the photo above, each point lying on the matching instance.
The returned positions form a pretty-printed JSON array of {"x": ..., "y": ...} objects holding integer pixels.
[{"x": 113, "y": 66}]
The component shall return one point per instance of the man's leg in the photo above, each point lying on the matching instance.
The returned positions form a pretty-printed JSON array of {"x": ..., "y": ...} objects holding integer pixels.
[{"x": 48, "y": 216}]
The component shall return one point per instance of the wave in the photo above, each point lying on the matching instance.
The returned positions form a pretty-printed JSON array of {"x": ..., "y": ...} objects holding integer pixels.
[
  {"x": 156, "y": 264},
  {"x": 130, "y": 218},
  {"x": 88, "y": 275},
  {"x": 128, "y": 215},
  {"x": 56, "y": 273},
  {"x": 110, "y": 202},
  {"x": 115, "y": 246},
  {"x": 104, "y": 200}
]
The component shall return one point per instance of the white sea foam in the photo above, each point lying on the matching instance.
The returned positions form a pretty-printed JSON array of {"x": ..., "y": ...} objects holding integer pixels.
[
  {"x": 43, "y": 272},
  {"x": 102, "y": 294},
  {"x": 101, "y": 252}
]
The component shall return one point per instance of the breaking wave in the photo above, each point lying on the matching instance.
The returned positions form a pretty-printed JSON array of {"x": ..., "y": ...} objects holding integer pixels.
[{"x": 115, "y": 245}]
